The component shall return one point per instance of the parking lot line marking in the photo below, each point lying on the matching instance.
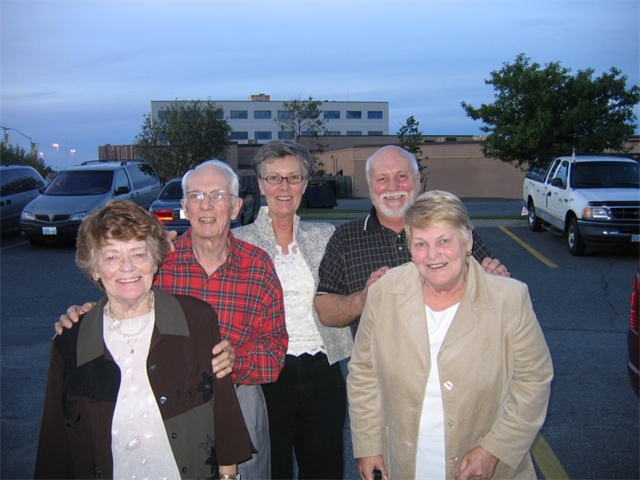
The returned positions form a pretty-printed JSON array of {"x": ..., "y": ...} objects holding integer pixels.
[
  {"x": 14, "y": 245},
  {"x": 531, "y": 250},
  {"x": 547, "y": 461}
]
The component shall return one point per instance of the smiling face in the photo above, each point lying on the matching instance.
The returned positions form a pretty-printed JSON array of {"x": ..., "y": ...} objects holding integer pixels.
[
  {"x": 439, "y": 252},
  {"x": 210, "y": 219},
  {"x": 126, "y": 269},
  {"x": 284, "y": 198},
  {"x": 393, "y": 184}
]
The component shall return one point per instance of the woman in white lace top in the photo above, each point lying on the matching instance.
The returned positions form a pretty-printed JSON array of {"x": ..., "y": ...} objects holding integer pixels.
[{"x": 307, "y": 404}]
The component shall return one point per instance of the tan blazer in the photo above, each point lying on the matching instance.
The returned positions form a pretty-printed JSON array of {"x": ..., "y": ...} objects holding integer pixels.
[{"x": 494, "y": 366}]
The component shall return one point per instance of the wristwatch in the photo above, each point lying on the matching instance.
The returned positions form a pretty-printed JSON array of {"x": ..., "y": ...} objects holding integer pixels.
[{"x": 230, "y": 476}]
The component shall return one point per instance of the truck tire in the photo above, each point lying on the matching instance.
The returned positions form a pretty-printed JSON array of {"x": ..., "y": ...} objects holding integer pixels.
[
  {"x": 574, "y": 239},
  {"x": 534, "y": 222}
]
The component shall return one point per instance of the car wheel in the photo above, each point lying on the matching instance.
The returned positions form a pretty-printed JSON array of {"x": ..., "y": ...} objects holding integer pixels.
[
  {"x": 574, "y": 239},
  {"x": 534, "y": 222},
  {"x": 36, "y": 242}
]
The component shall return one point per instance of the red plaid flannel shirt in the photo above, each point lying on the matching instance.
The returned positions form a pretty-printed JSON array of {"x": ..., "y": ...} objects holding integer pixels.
[{"x": 246, "y": 293}]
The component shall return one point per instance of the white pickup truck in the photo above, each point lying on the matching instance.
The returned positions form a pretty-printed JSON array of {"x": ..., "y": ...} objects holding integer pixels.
[{"x": 590, "y": 199}]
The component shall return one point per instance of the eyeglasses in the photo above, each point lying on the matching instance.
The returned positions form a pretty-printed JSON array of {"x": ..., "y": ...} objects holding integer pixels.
[
  {"x": 218, "y": 196},
  {"x": 275, "y": 179}
]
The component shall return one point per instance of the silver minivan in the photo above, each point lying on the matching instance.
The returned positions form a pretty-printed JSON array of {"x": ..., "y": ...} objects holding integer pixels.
[
  {"x": 57, "y": 213},
  {"x": 19, "y": 184}
]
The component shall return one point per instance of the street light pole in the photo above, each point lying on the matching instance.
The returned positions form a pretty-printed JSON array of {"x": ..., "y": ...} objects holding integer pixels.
[{"x": 32, "y": 146}]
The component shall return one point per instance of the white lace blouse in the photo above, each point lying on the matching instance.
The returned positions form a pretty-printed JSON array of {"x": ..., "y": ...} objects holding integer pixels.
[{"x": 299, "y": 293}]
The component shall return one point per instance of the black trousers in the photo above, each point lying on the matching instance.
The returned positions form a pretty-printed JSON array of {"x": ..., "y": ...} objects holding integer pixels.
[{"x": 306, "y": 409}]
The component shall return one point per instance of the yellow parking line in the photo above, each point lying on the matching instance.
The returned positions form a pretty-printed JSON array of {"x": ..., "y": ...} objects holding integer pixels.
[
  {"x": 547, "y": 462},
  {"x": 531, "y": 250}
]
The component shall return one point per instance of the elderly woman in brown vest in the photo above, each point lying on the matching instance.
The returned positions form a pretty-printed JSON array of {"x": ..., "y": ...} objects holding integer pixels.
[{"x": 131, "y": 391}]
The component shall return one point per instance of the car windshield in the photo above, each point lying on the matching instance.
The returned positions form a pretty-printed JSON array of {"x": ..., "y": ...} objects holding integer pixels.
[
  {"x": 76, "y": 183},
  {"x": 171, "y": 191},
  {"x": 605, "y": 175}
]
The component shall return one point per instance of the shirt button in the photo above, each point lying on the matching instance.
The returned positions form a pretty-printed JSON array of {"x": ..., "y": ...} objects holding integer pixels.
[
  {"x": 174, "y": 435},
  {"x": 152, "y": 367},
  {"x": 399, "y": 248},
  {"x": 454, "y": 459},
  {"x": 450, "y": 423},
  {"x": 184, "y": 469},
  {"x": 163, "y": 400}
]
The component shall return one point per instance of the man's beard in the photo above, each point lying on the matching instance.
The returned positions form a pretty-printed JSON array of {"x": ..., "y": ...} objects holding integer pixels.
[{"x": 394, "y": 213}]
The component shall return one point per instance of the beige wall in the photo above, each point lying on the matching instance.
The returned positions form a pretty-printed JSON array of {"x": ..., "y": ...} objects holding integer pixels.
[{"x": 459, "y": 168}]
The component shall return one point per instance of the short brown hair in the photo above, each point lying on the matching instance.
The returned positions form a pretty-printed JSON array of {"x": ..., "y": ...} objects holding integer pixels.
[
  {"x": 441, "y": 208},
  {"x": 277, "y": 149},
  {"x": 118, "y": 220}
]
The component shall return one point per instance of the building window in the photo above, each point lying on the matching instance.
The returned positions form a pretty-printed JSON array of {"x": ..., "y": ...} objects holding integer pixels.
[
  {"x": 239, "y": 136},
  {"x": 332, "y": 114},
  {"x": 262, "y": 135},
  {"x": 284, "y": 114},
  {"x": 331, "y": 133},
  {"x": 262, "y": 114},
  {"x": 238, "y": 114},
  {"x": 307, "y": 133},
  {"x": 354, "y": 115},
  {"x": 353, "y": 133},
  {"x": 374, "y": 115},
  {"x": 286, "y": 136},
  {"x": 374, "y": 132}
]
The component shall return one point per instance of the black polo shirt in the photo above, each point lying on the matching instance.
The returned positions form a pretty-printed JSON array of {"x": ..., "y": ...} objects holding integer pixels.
[{"x": 362, "y": 246}]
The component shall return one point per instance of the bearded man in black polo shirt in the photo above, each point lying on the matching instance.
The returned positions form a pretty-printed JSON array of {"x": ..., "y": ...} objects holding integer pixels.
[{"x": 362, "y": 250}]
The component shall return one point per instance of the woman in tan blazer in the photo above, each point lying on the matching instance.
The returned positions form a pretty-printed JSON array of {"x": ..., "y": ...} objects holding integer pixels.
[{"x": 450, "y": 371}]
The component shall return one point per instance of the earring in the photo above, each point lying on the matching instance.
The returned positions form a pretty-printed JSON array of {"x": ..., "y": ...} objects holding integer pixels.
[
  {"x": 96, "y": 278},
  {"x": 469, "y": 253}
]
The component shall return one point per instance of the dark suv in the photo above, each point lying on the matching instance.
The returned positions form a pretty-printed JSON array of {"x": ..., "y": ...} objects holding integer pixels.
[
  {"x": 57, "y": 213},
  {"x": 19, "y": 184}
]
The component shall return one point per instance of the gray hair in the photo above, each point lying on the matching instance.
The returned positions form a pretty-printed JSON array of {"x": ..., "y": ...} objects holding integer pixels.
[
  {"x": 409, "y": 157},
  {"x": 234, "y": 183},
  {"x": 277, "y": 149}
]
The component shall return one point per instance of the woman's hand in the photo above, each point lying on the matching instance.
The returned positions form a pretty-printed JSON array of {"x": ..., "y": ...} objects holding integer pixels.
[
  {"x": 223, "y": 359},
  {"x": 478, "y": 464},
  {"x": 72, "y": 316},
  {"x": 366, "y": 466}
]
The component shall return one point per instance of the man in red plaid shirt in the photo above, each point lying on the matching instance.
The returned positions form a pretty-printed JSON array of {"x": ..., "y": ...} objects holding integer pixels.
[{"x": 240, "y": 282}]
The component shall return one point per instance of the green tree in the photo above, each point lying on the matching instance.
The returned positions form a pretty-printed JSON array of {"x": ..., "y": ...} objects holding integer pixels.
[
  {"x": 18, "y": 156},
  {"x": 410, "y": 138},
  {"x": 184, "y": 135},
  {"x": 302, "y": 122},
  {"x": 547, "y": 110}
]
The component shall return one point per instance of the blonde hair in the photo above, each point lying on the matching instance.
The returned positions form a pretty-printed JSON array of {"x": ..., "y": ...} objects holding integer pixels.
[{"x": 438, "y": 208}]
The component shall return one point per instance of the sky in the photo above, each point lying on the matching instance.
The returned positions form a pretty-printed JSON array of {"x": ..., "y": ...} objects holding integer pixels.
[{"x": 82, "y": 74}]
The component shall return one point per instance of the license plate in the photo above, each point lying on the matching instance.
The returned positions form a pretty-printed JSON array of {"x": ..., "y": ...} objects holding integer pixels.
[
  {"x": 635, "y": 237},
  {"x": 49, "y": 231}
]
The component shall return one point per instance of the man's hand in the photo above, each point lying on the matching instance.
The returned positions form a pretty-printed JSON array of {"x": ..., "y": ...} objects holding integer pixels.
[
  {"x": 373, "y": 278},
  {"x": 477, "y": 463},
  {"x": 366, "y": 466},
  {"x": 171, "y": 236},
  {"x": 72, "y": 316},
  {"x": 223, "y": 359},
  {"x": 493, "y": 265}
]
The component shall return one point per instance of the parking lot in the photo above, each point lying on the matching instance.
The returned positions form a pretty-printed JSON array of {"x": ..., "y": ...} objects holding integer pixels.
[{"x": 582, "y": 305}]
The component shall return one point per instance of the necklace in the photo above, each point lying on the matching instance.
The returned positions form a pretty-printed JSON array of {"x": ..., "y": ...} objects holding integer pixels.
[{"x": 130, "y": 338}]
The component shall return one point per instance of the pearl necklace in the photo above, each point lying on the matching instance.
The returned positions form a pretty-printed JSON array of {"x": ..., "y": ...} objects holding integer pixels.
[{"x": 116, "y": 323}]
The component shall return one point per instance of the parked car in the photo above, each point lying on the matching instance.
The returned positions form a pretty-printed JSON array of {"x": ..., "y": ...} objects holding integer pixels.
[
  {"x": 57, "y": 213},
  {"x": 169, "y": 211},
  {"x": 19, "y": 184},
  {"x": 633, "y": 339}
]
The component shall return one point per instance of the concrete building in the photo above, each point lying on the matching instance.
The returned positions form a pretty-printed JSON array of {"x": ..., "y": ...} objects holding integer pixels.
[{"x": 254, "y": 121}]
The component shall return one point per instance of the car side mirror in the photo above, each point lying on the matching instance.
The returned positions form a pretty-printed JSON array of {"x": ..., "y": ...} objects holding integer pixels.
[{"x": 557, "y": 182}]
